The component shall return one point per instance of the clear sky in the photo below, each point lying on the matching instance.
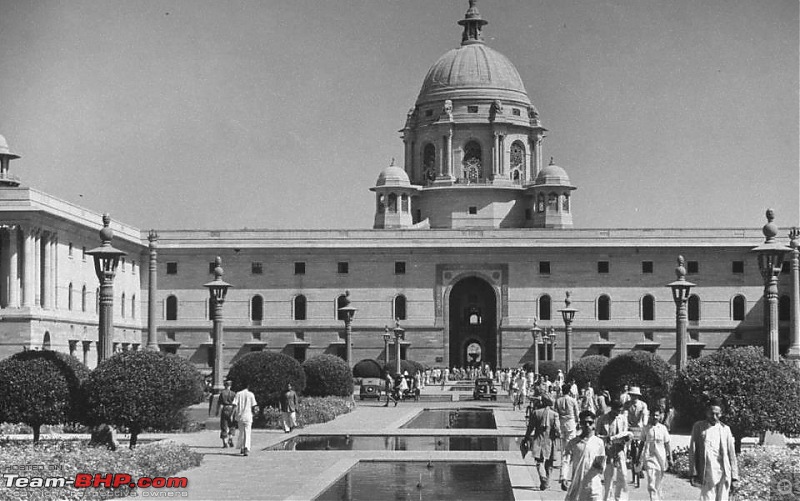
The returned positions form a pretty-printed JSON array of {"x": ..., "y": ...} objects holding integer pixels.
[{"x": 280, "y": 114}]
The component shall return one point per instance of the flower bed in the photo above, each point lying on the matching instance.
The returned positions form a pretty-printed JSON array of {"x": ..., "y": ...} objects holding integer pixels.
[
  {"x": 66, "y": 458},
  {"x": 310, "y": 410}
]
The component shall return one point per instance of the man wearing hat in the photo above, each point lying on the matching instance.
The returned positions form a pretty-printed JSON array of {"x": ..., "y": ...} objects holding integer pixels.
[
  {"x": 543, "y": 427},
  {"x": 637, "y": 419},
  {"x": 227, "y": 423}
]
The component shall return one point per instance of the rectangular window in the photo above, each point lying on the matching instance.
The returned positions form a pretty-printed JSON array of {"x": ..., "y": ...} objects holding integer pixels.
[
  {"x": 399, "y": 267},
  {"x": 472, "y": 109},
  {"x": 605, "y": 351},
  {"x": 648, "y": 335},
  {"x": 256, "y": 268},
  {"x": 544, "y": 267},
  {"x": 70, "y": 249},
  {"x": 428, "y": 113},
  {"x": 604, "y": 335},
  {"x": 473, "y": 210},
  {"x": 342, "y": 267},
  {"x": 172, "y": 268},
  {"x": 300, "y": 268},
  {"x": 602, "y": 267},
  {"x": 786, "y": 267},
  {"x": 211, "y": 267},
  {"x": 692, "y": 267},
  {"x": 133, "y": 267},
  {"x": 647, "y": 267},
  {"x": 737, "y": 267}
]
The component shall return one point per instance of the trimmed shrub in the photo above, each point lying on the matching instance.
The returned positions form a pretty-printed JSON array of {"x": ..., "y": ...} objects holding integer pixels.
[
  {"x": 367, "y": 368},
  {"x": 587, "y": 369},
  {"x": 638, "y": 368},
  {"x": 142, "y": 389},
  {"x": 546, "y": 368},
  {"x": 759, "y": 395},
  {"x": 41, "y": 387},
  {"x": 327, "y": 375},
  {"x": 405, "y": 366},
  {"x": 267, "y": 373},
  {"x": 310, "y": 410}
]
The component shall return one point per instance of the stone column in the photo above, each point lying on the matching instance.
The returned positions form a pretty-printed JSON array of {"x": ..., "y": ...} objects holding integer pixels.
[
  {"x": 496, "y": 155},
  {"x": 13, "y": 268},
  {"x": 50, "y": 263},
  {"x": 794, "y": 348},
  {"x": 152, "y": 333},
  {"x": 449, "y": 153},
  {"x": 37, "y": 268},
  {"x": 29, "y": 271},
  {"x": 501, "y": 155}
]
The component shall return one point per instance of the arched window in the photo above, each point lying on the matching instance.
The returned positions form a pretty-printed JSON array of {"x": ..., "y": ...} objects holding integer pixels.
[
  {"x": 400, "y": 307},
  {"x": 392, "y": 202},
  {"x": 341, "y": 301},
  {"x": 540, "y": 202},
  {"x": 380, "y": 205},
  {"x": 517, "y": 161},
  {"x": 83, "y": 298},
  {"x": 122, "y": 306},
  {"x": 133, "y": 306},
  {"x": 257, "y": 308},
  {"x": 46, "y": 341},
  {"x": 738, "y": 307},
  {"x": 552, "y": 202},
  {"x": 648, "y": 308},
  {"x": 69, "y": 297},
  {"x": 694, "y": 308},
  {"x": 472, "y": 163},
  {"x": 300, "y": 307},
  {"x": 784, "y": 309},
  {"x": 172, "y": 308},
  {"x": 404, "y": 202},
  {"x": 429, "y": 162},
  {"x": 603, "y": 307},
  {"x": 565, "y": 203},
  {"x": 545, "y": 308}
]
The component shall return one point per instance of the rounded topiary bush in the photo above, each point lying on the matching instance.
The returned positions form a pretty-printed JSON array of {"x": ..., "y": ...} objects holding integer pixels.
[
  {"x": 42, "y": 387},
  {"x": 405, "y": 366},
  {"x": 587, "y": 370},
  {"x": 638, "y": 368},
  {"x": 142, "y": 389},
  {"x": 367, "y": 368},
  {"x": 267, "y": 374},
  {"x": 327, "y": 375},
  {"x": 546, "y": 368},
  {"x": 759, "y": 395}
]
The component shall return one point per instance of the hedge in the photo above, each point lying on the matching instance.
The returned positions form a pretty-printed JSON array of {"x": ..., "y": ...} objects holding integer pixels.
[
  {"x": 548, "y": 368},
  {"x": 367, "y": 368},
  {"x": 327, "y": 375},
  {"x": 639, "y": 368},
  {"x": 267, "y": 374},
  {"x": 42, "y": 387},
  {"x": 587, "y": 370},
  {"x": 310, "y": 410}
]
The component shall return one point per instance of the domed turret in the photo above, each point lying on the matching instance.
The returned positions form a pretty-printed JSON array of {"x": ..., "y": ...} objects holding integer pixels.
[
  {"x": 393, "y": 192},
  {"x": 550, "y": 198},
  {"x": 5, "y": 158}
]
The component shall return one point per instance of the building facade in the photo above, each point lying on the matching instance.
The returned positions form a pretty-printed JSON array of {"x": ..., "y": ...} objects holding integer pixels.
[{"x": 473, "y": 238}]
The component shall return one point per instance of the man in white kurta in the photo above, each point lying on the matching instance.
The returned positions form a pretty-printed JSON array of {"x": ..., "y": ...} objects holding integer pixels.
[
  {"x": 712, "y": 456},
  {"x": 244, "y": 402},
  {"x": 583, "y": 463},
  {"x": 656, "y": 455},
  {"x": 612, "y": 427}
]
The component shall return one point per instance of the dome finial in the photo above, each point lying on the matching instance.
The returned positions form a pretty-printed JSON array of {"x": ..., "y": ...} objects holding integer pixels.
[
  {"x": 473, "y": 25},
  {"x": 551, "y": 161},
  {"x": 392, "y": 164}
]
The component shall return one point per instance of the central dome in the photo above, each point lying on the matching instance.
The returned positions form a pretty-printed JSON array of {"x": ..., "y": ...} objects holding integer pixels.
[{"x": 473, "y": 71}]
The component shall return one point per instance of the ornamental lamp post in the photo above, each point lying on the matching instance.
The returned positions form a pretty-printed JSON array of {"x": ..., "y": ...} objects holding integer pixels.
[
  {"x": 152, "y": 288},
  {"x": 536, "y": 333},
  {"x": 794, "y": 349},
  {"x": 568, "y": 315},
  {"x": 680, "y": 294},
  {"x": 106, "y": 259},
  {"x": 217, "y": 290},
  {"x": 399, "y": 333},
  {"x": 387, "y": 335},
  {"x": 770, "y": 260},
  {"x": 347, "y": 313},
  {"x": 552, "y": 339}
]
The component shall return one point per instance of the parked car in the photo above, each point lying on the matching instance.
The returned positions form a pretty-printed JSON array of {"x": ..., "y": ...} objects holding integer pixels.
[
  {"x": 484, "y": 388},
  {"x": 371, "y": 387}
]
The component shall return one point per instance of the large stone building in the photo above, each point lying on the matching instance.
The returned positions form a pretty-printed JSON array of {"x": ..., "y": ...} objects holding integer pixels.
[{"x": 473, "y": 239}]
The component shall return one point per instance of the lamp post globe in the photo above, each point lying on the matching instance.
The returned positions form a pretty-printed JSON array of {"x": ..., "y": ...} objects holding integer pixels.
[
  {"x": 217, "y": 290},
  {"x": 399, "y": 334},
  {"x": 106, "y": 259},
  {"x": 770, "y": 260},
  {"x": 680, "y": 294},
  {"x": 567, "y": 315},
  {"x": 347, "y": 312}
]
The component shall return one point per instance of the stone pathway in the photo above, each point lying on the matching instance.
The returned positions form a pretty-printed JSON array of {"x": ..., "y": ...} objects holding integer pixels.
[{"x": 300, "y": 475}]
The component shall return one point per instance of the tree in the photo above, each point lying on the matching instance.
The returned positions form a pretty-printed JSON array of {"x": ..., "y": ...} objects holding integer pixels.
[
  {"x": 587, "y": 370},
  {"x": 367, "y": 368},
  {"x": 41, "y": 387},
  {"x": 638, "y": 368},
  {"x": 142, "y": 389},
  {"x": 327, "y": 375},
  {"x": 267, "y": 374},
  {"x": 759, "y": 395}
]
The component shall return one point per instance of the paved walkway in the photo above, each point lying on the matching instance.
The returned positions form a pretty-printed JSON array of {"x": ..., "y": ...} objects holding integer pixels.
[{"x": 301, "y": 475}]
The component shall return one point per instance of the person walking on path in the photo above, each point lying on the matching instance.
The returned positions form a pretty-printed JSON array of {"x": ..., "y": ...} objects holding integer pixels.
[
  {"x": 637, "y": 419},
  {"x": 656, "y": 454},
  {"x": 389, "y": 387},
  {"x": 288, "y": 405},
  {"x": 225, "y": 411},
  {"x": 567, "y": 409},
  {"x": 543, "y": 431},
  {"x": 583, "y": 463},
  {"x": 613, "y": 429},
  {"x": 245, "y": 403},
  {"x": 712, "y": 456}
]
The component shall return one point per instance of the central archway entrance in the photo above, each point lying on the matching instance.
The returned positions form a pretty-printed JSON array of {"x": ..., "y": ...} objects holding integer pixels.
[{"x": 473, "y": 324}]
